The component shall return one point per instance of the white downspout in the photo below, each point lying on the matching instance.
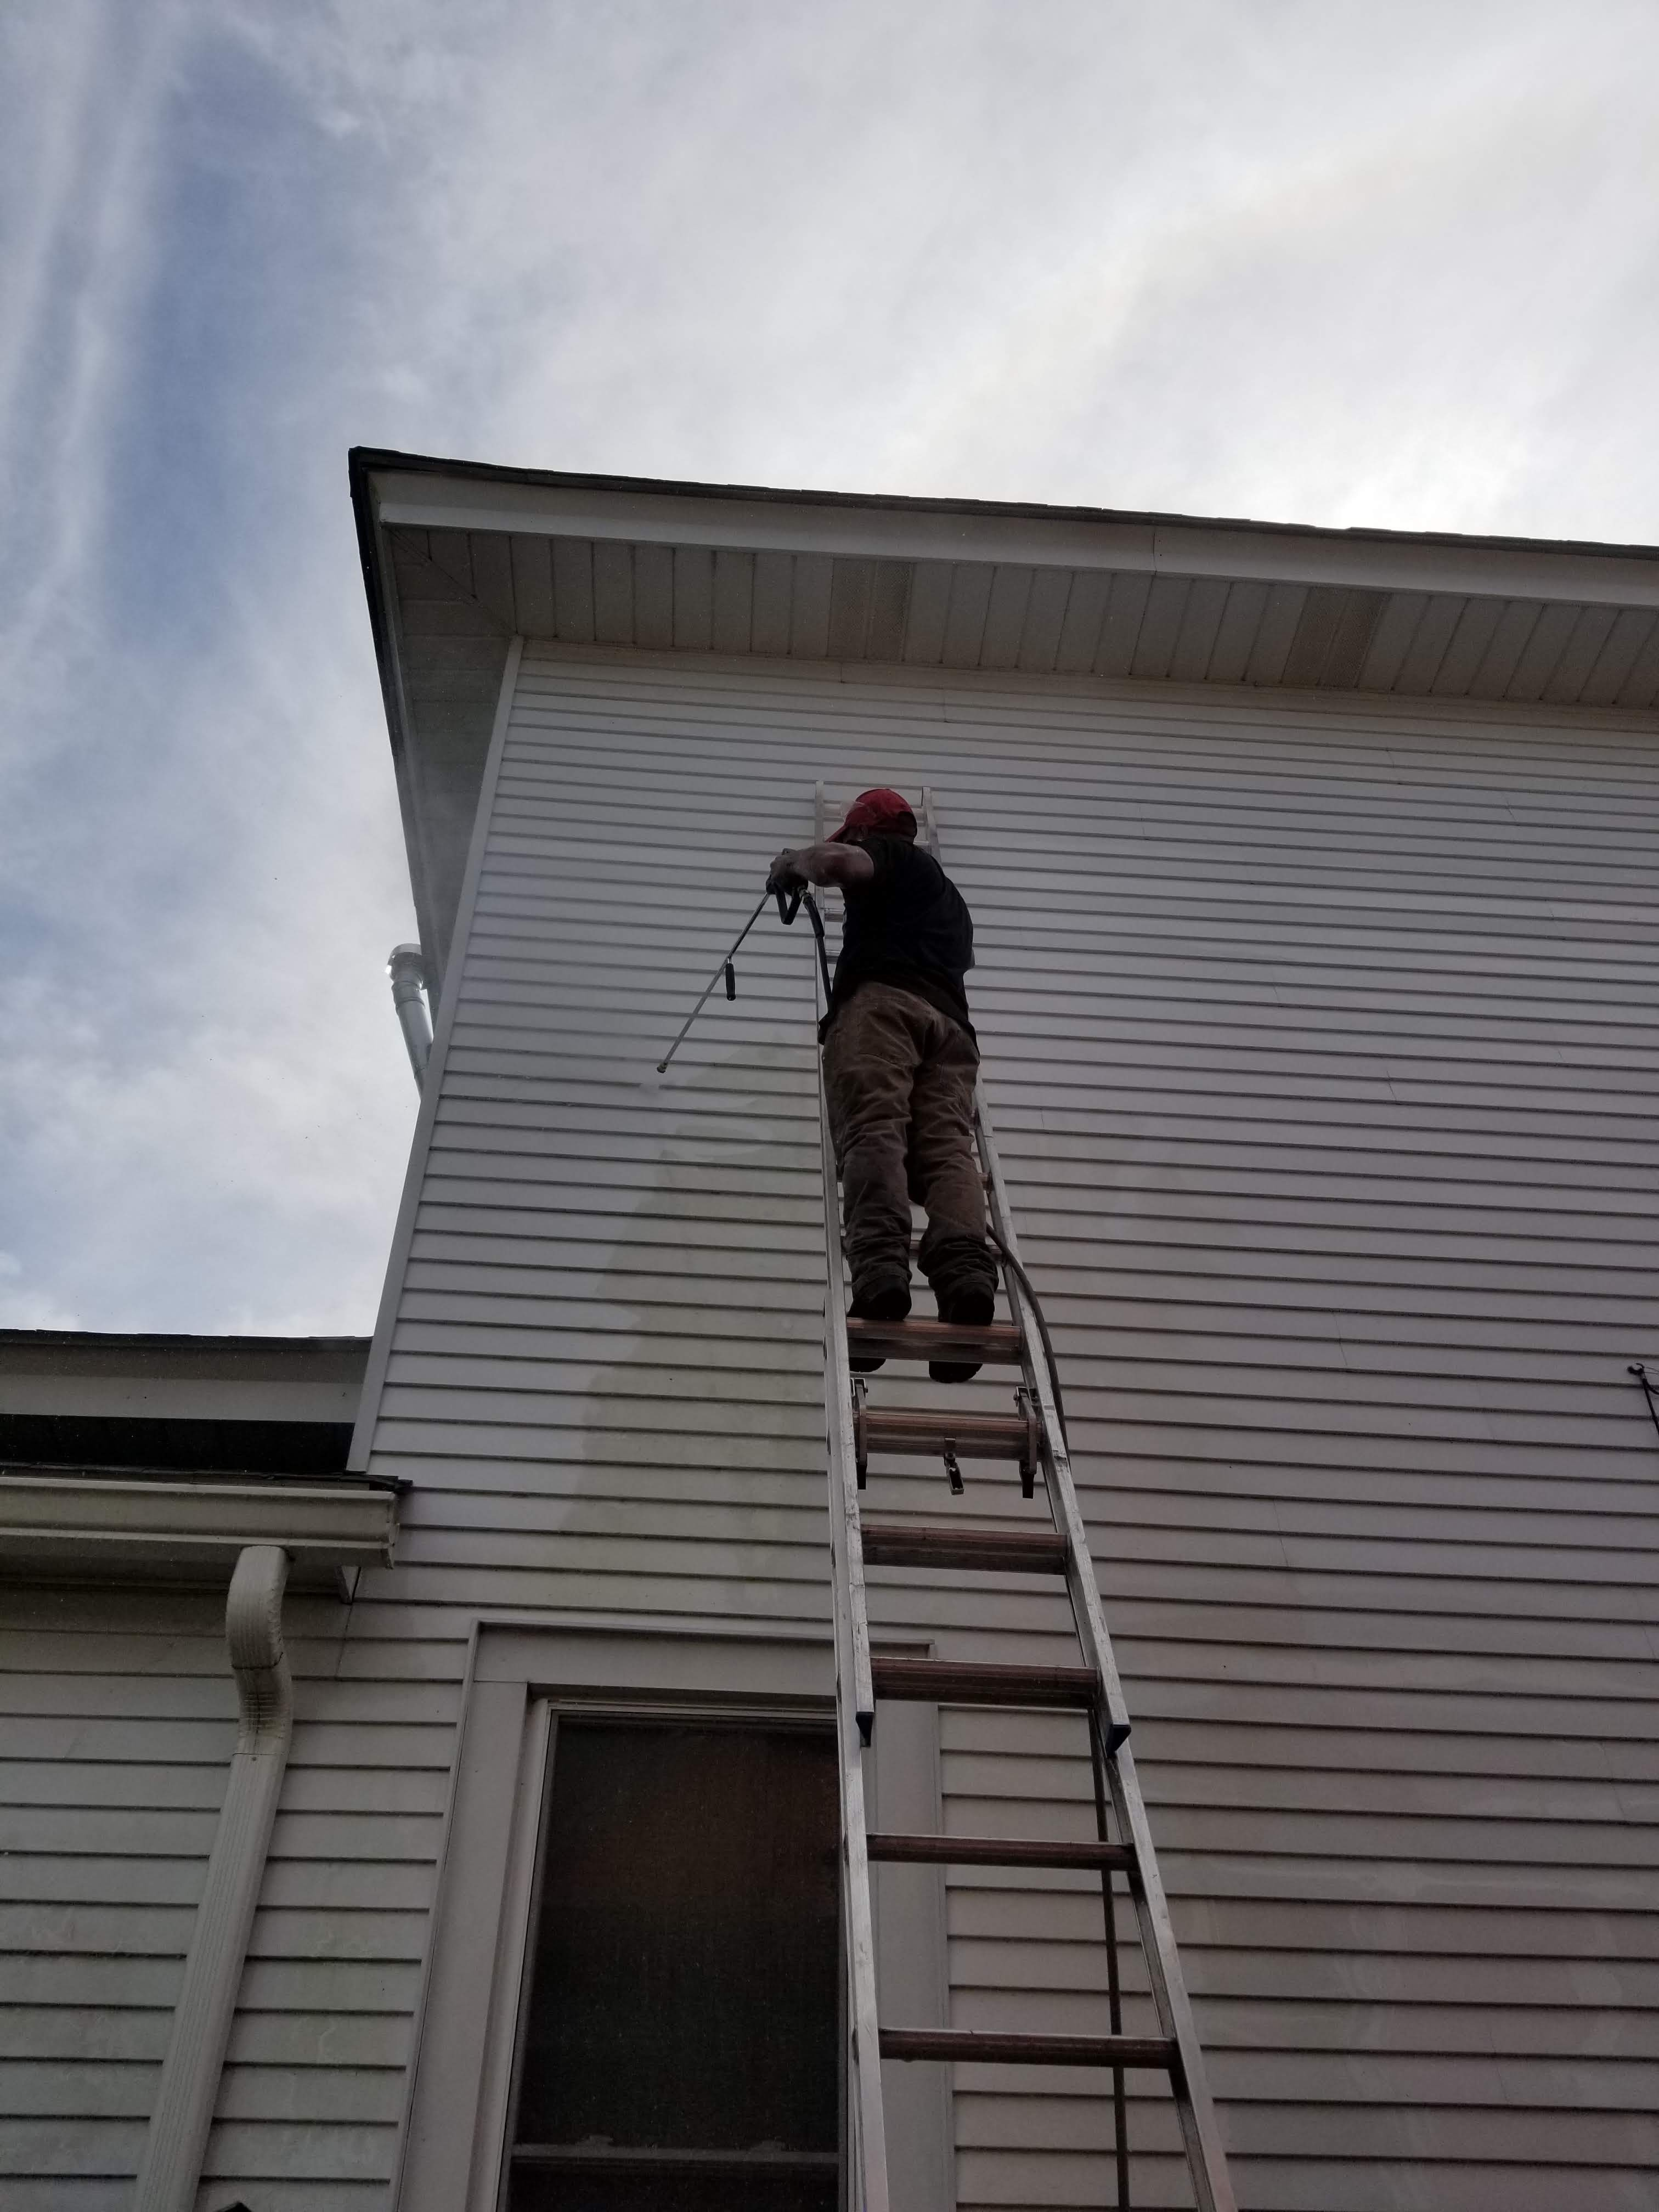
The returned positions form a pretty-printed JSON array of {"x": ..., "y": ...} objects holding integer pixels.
[
  {"x": 177, "y": 2142},
  {"x": 408, "y": 972}
]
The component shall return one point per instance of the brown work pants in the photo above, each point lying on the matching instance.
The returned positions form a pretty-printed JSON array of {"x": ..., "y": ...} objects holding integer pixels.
[{"x": 898, "y": 1080}]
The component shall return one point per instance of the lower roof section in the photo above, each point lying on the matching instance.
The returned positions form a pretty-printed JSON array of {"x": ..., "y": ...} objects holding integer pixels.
[{"x": 112, "y": 1374}]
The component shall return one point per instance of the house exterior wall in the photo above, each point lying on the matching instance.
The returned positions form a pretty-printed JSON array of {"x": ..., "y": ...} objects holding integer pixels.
[
  {"x": 118, "y": 1718},
  {"x": 1315, "y": 1045},
  {"x": 1318, "y": 1049}
]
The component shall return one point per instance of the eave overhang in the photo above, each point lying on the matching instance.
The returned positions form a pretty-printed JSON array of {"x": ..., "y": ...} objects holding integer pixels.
[
  {"x": 459, "y": 557},
  {"x": 154, "y": 1524}
]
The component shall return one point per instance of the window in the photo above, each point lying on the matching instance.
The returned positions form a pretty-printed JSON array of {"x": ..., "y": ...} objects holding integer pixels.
[
  {"x": 680, "y": 2043},
  {"x": 632, "y": 1994}
]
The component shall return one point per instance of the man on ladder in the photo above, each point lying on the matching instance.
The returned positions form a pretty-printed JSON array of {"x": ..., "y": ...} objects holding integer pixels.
[{"x": 900, "y": 1060}]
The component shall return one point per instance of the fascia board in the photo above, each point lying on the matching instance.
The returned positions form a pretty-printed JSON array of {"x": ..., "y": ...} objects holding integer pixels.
[
  {"x": 1474, "y": 571},
  {"x": 380, "y": 589},
  {"x": 665, "y": 519},
  {"x": 88, "y": 1519},
  {"x": 425, "y": 1121},
  {"x": 1267, "y": 553},
  {"x": 114, "y": 1395}
]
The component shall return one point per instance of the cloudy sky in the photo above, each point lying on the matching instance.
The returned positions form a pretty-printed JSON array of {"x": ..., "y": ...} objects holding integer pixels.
[{"x": 1334, "y": 263}]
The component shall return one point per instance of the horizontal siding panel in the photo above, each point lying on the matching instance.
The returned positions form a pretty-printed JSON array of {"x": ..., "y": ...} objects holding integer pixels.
[
  {"x": 290, "y": 2150},
  {"x": 78, "y": 2146},
  {"x": 45, "y": 2032},
  {"x": 322, "y": 2038},
  {"x": 335, "y": 2092}
]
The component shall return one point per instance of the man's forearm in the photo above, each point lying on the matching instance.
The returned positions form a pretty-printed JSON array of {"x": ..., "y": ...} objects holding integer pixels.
[{"x": 826, "y": 864}]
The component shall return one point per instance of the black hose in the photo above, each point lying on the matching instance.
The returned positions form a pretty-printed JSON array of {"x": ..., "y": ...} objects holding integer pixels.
[
  {"x": 1030, "y": 1289},
  {"x": 817, "y": 921},
  {"x": 790, "y": 902}
]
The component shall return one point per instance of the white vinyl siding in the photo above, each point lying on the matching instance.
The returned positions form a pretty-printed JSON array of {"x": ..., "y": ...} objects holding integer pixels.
[
  {"x": 117, "y": 1717},
  {"x": 1320, "y": 1036}
]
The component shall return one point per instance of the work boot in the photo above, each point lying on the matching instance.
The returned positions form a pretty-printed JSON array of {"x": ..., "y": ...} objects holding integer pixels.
[
  {"x": 971, "y": 1304},
  {"x": 885, "y": 1296}
]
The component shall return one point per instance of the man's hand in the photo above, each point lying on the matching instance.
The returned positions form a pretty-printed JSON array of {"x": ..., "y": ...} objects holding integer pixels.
[{"x": 831, "y": 863}]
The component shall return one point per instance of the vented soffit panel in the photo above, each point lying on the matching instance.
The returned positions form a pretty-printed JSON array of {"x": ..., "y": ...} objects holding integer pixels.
[
  {"x": 456, "y": 588},
  {"x": 478, "y": 555}
]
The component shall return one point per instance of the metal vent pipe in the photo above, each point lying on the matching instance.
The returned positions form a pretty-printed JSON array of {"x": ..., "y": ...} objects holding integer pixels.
[{"x": 408, "y": 972}]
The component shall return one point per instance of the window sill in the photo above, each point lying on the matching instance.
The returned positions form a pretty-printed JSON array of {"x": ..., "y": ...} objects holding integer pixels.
[{"x": 612, "y": 2158}]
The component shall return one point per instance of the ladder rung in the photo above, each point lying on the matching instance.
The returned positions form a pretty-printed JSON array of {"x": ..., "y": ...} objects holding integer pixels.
[
  {"x": 998, "y": 1850},
  {"x": 962, "y": 1682},
  {"x": 974, "y": 1436},
  {"x": 1007, "y": 1551},
  {"x": 998, "y": 1341},
  {"x": 993, "y": 2050}
]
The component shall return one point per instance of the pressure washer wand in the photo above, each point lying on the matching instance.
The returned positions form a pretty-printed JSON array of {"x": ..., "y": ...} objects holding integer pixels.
[
  {"x": 725, "y": 969},
  {"x": 789, "y": 905}
]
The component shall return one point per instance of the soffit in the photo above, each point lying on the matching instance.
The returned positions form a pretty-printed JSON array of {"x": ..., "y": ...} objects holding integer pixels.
[
  {"x": 456, "y": 585},
  {"x": 480, "y": 553}
]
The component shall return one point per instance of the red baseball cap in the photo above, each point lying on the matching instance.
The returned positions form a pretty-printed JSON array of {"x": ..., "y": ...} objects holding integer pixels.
[{"x": 879, "y": 813}]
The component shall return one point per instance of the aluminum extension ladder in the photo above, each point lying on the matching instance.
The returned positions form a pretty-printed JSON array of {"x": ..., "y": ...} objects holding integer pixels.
[{"x": 1034, "y": 1439}]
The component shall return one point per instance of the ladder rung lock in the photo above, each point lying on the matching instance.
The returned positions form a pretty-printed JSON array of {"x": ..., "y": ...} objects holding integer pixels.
[
  {"x": 1000, "y": 1851},
  {"x": 998, "y": 1341},
  {"x": 959, "y": 1682},
  {"x": 1004, "y": 1551},
  {"x": 985, "y": 2048},
  {"x": 973, "y": 1436}
]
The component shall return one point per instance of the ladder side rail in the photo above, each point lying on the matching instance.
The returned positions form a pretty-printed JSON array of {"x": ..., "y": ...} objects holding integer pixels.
[
  {"x": 854, "y": 1693},
  {"x": 846, "y": 1534},
  {"x": 1113, "y": 1973},
  {"x": 868, "y": 2126},
  {"x": 867, "y": 2117},
  {"x": 1200, "y": 2130}
]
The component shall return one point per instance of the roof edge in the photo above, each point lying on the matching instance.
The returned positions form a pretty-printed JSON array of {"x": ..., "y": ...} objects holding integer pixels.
[
  {"x": 361, "y": 462},
  {"x": 90, "y": 1339},
  {"x": 364, "y": 460}
]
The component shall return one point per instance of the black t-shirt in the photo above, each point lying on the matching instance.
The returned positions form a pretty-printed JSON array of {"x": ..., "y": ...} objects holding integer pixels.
[{"x": 909, "y": 926}]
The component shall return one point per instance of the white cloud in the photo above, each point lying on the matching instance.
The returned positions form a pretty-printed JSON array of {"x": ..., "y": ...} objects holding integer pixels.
[
  {"x": 1302, "y": 260},
  {"x": 24, "y": 1307},
  {"x": 76, "y": 262}
]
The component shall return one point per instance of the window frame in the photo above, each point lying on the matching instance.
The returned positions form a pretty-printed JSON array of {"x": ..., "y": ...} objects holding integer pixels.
[
  {"x": 705, "y": 1716},
  {"x": 450, "y": 2154}
]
